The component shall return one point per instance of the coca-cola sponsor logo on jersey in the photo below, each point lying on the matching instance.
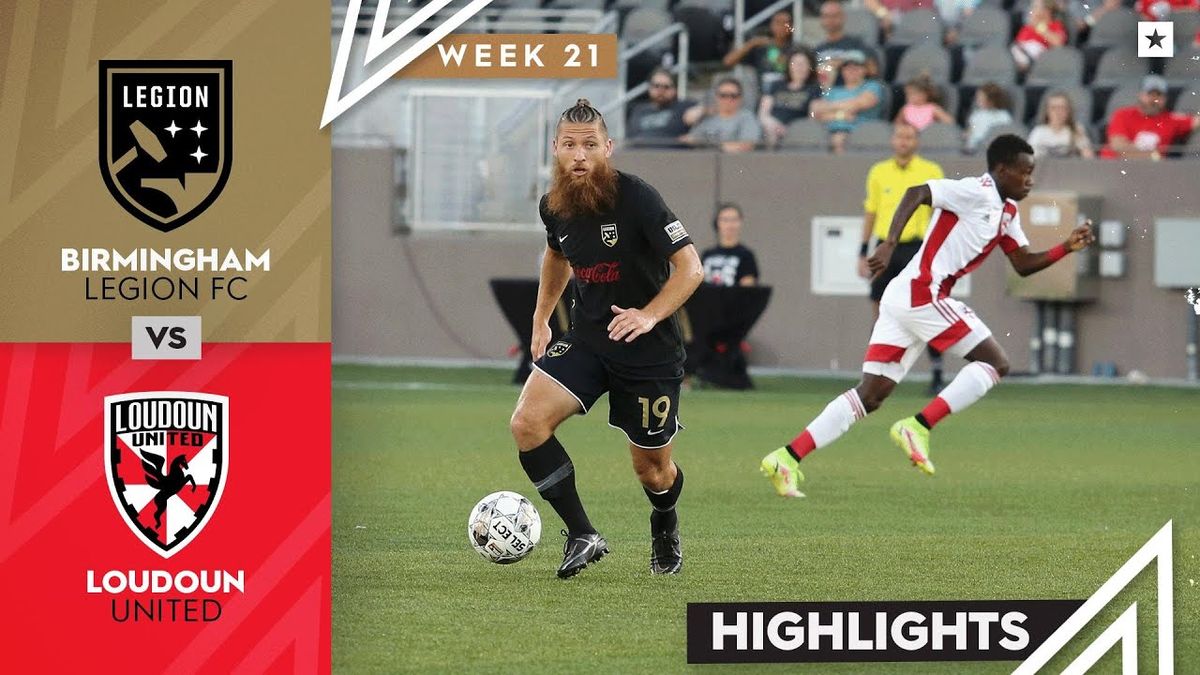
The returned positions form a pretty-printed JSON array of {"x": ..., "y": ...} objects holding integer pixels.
[{"x": 600, "y": 273}]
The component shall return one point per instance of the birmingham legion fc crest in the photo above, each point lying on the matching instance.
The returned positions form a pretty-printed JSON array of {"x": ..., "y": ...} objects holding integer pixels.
[{"x": 166, "y": 136}]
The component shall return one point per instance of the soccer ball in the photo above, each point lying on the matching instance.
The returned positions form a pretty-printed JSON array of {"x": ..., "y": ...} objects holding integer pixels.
[{"x": 504, "y": 527}]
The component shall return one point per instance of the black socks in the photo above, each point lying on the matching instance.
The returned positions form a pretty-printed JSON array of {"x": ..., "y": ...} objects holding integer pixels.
[
  {"x": 550, "y": 469},
  {"x": 664, "y": 518}
]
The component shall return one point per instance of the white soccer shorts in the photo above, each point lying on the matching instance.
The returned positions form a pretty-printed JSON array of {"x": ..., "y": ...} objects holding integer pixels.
[{"x": 901, "y": 333}]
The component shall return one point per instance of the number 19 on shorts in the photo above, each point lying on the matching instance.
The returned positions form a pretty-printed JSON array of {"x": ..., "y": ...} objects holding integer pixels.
[{"x": 661, "y": 409}]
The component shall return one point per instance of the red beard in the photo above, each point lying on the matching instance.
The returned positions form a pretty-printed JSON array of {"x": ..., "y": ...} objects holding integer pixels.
[{"x": 571, "y": 196}]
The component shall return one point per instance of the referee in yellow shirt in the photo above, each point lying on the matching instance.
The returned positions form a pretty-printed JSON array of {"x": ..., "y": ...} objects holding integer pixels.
[{"x": 886, "y": 183}]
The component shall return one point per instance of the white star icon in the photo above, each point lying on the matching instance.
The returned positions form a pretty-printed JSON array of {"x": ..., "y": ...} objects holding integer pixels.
[
  {"x": 199, "y": 129},
  {"x": 172, "y": 129},
  {"x": 199, "y": 155}
]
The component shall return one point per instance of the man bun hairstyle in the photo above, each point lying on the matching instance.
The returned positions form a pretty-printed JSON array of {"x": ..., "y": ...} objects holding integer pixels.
[{"x": 582, "y": 113}]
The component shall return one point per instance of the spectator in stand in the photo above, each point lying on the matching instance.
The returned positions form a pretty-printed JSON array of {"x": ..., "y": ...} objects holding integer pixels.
[
  {"x": 922, "y": 105},
  {"x": 729, "y": 263},
  {"x": 768, "y": 54},
  {"x": 1085, "y": 14},
  {"x": 1057, "y": 133},
  {"x": 991, "y": 110},
  {"x": 849, "y": 103},
  {"x": 952, "y": 13},
  {"x": 728, "y": 125},
  {"x": 888, "y": 11},
  {"x": 1147, "y": 130},
  {"x": 837, "y": 45},
  {"x": 789, "y": 100},
  {"x": 1161, "y": 10},
  {"x": 1043, "y": 30},
  {"x": 664, "y": 117}
]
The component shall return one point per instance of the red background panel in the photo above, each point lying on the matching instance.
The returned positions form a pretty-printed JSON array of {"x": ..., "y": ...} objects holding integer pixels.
[{"x": 58, "y": 520}]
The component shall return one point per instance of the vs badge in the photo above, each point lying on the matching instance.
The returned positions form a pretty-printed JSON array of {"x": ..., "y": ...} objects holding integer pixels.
[
  {"x": 166, "y": 456},
  {"x": 166, "y": 136},
  {"x": 608, "y": 234}
]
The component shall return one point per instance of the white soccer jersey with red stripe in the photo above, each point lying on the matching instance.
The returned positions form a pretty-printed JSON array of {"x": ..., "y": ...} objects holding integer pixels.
[{"x": 969, "y": 220}]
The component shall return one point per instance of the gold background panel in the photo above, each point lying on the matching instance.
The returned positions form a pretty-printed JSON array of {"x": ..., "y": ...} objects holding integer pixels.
[{"x": 52, "y": 195}]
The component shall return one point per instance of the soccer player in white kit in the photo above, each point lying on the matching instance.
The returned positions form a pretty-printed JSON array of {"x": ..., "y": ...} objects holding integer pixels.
[{"x": 970, "y": 217}]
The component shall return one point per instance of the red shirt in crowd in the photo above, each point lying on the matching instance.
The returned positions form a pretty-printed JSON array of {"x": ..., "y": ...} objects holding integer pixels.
[
  {"x": 1148, "y": 132},
  {"x": 1159, "y": 10},
  {"x": 1028, "y": 34}
]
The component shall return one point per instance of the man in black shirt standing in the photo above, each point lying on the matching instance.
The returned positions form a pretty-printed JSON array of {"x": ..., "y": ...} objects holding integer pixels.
[{"x": 614, "y": 231}]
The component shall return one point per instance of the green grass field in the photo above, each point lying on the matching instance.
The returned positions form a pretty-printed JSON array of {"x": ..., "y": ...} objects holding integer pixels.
[{"x": 1041, "y": 492}]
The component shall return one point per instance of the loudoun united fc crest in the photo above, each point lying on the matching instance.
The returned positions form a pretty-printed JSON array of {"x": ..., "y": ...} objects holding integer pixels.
[
  {"x": 166, "y": 136},
  {"x": 166, "y": 455}
]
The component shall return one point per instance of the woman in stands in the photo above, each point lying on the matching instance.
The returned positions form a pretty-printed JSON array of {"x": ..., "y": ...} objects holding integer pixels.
[
  {"x": 1057, "y": 133},
  {"x": 789, "y": 100}
]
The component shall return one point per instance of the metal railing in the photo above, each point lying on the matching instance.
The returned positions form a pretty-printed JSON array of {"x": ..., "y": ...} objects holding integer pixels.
[
  {"x": 742, "y": 25},
  {"x": 490, "y": 20},
  {"x": 679, "y": 68}
]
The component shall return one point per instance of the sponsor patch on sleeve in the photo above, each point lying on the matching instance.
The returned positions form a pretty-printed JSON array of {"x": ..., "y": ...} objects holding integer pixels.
[{"x": 675, "y": 231}]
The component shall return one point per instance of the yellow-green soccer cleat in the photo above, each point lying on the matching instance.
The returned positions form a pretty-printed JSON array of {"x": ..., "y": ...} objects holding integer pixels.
[
  {"x": 913, "y": 439},
  {"x": 784, "y": 472}
]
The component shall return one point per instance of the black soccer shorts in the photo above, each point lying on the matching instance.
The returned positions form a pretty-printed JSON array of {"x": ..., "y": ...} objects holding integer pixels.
[
  {"x": 646, "y": 408},
  {"x": 900, "y": 256}
]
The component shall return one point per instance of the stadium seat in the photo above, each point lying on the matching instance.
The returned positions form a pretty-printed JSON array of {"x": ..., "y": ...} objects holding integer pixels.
[
  {"x": 997, "y": 131},
  {"x": 941, "y": 139},
  {"x": 992, "y": 63},
  {"x": 1118, "y": 66},
  {"x": 648, "y": 4},
  {"x": 1189, "y": 100},
  {"x": 917, "y": 26},
  {"x": 1116, "y": 28},
  {"x": 862, "y": 23},
  {"x": 1081, "y": 102},
  {"x": 717, "y": 7},
  {"x": 985, "y": 26},
  {"x": 1186, "y": 25},
  {"x": 707, "y": 35},
  {"x": 949, "y": 99},
  {"x": 1192, "y": 149},
  {"x": 1057, "y": 66},
  {"x": 870, "y": 136},
  {"x": 806, "y": 135},
  {"x": 930, "y": 59},
  {"x": 643, "y": 22},
  {"x": 1120, "y": 98},
  {"x": 577, "y": 4},
  {"x": 1185, "y": 67}
]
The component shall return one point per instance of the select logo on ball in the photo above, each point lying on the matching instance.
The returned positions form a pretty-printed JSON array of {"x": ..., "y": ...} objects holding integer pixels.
[{"x": 504, "y": 527}]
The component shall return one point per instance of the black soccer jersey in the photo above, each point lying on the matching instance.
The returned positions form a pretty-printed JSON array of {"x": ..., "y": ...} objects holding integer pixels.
[{"x": 621, "y": 258}]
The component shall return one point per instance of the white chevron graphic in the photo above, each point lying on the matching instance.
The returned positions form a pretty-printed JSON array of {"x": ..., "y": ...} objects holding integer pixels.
[
  {"x": 380, "y": 42},
  {"x": 1124, "y": 630}
]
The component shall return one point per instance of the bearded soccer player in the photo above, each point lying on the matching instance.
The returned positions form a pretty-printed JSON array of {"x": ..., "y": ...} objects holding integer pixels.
[
  {"x": 970, "y": 217},
  {"x": 634, "y": 265}
]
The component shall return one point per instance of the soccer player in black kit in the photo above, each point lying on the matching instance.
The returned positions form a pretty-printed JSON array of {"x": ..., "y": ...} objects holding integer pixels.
[{"x": 634, "y": 265}]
